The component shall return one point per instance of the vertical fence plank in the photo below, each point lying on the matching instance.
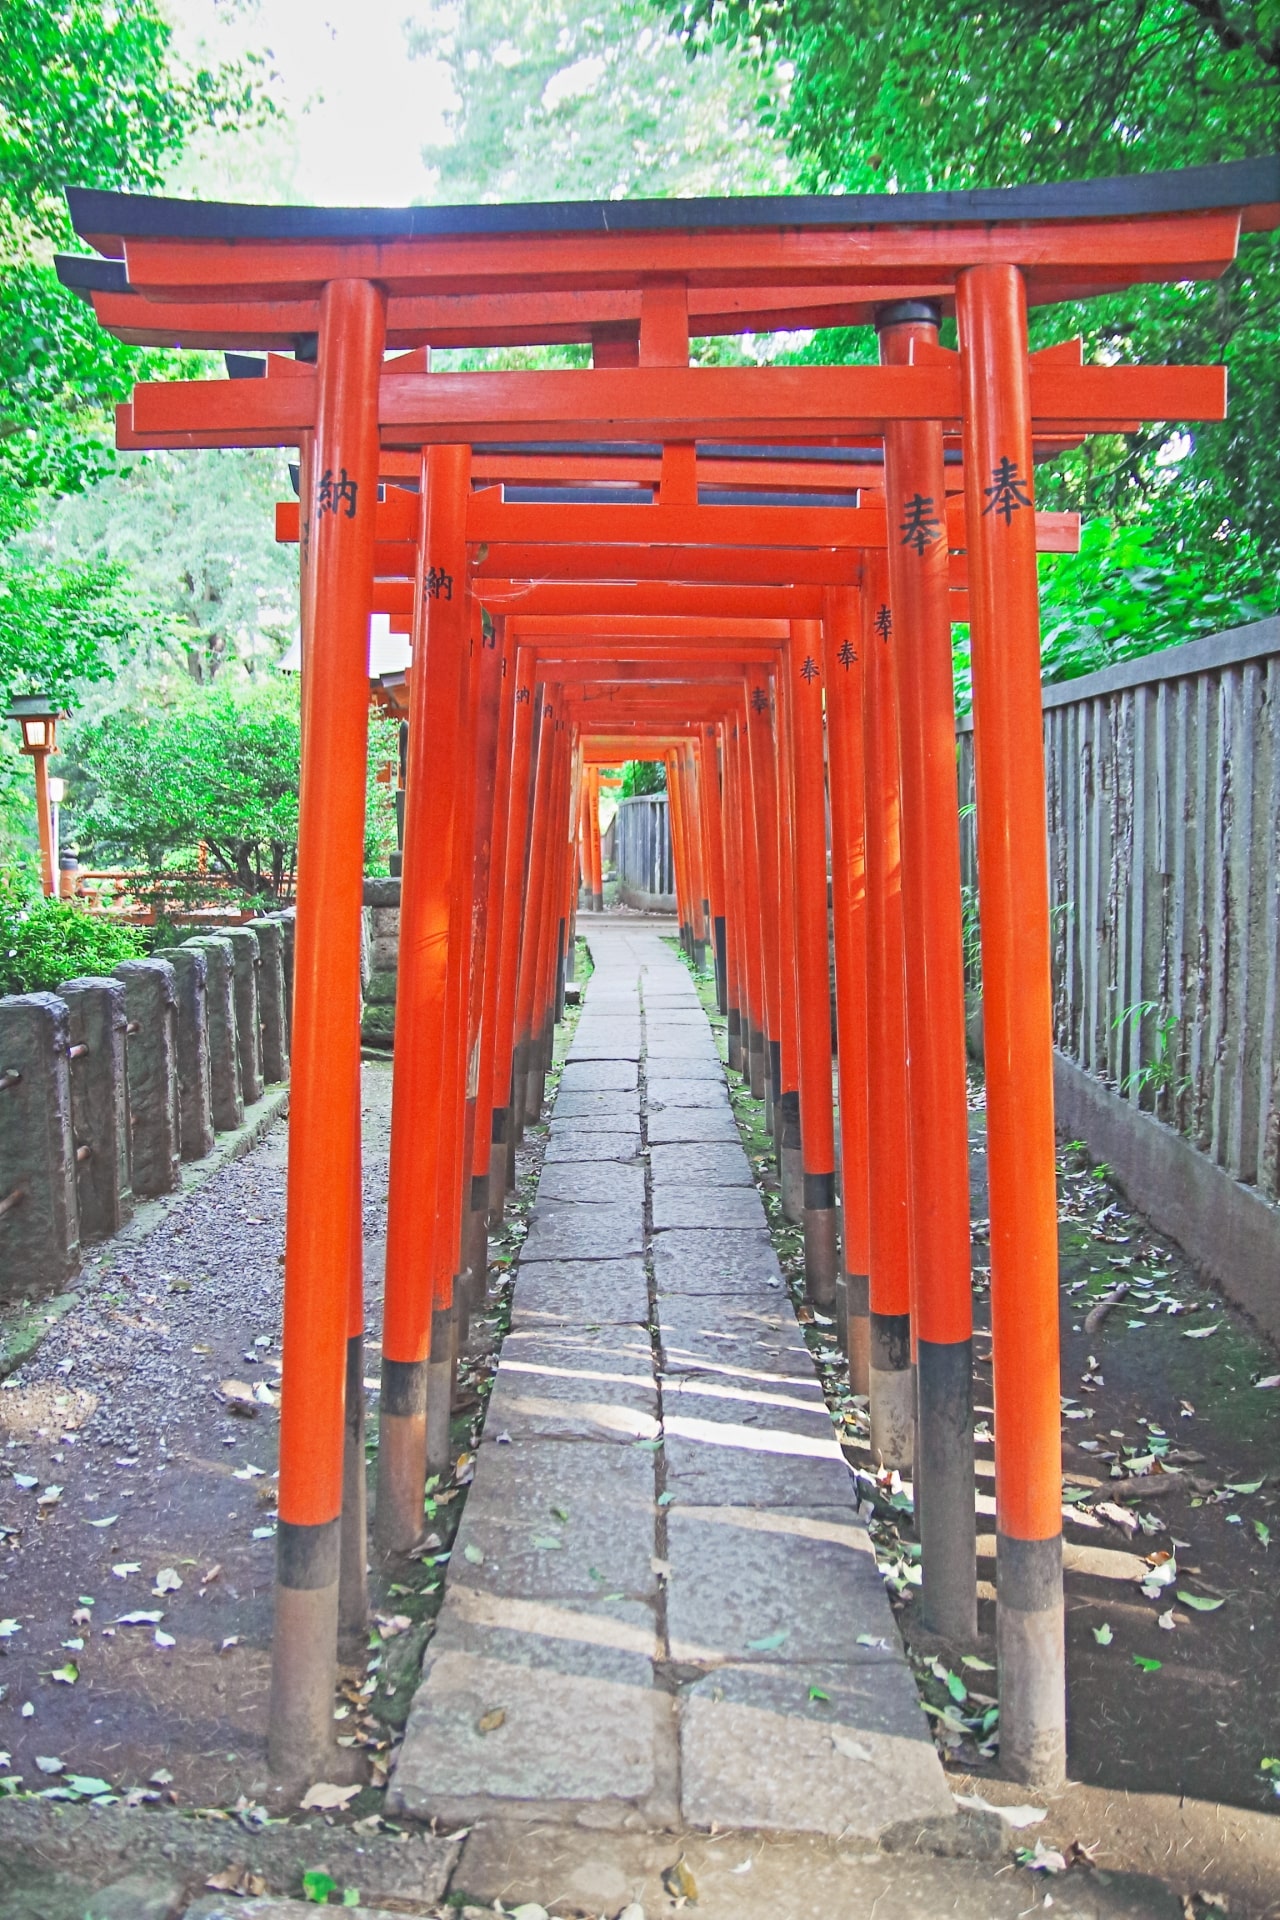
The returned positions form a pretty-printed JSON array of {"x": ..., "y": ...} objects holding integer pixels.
[
  {"x": 1269, "y": 909},
  {"x": 1163, "y": 809}
]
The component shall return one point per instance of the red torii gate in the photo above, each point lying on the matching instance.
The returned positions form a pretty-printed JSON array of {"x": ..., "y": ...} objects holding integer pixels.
[{"x": 353, "y": 276}]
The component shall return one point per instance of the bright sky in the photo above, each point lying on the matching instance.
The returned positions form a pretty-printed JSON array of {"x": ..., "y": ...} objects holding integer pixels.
[{"x": 358, "y": 109}]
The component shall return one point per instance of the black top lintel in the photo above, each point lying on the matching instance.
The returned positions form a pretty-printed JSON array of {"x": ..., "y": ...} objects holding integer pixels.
[{"x": 107, "y": 218}]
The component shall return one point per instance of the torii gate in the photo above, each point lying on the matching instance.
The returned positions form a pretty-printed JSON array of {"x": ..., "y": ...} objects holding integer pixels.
[{"x": 335, "y": 284}]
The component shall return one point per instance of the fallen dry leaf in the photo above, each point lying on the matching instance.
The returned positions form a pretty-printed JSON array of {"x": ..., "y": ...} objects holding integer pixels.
[
  {"x": 679, "y": 1881},
  {"x": 236, "y": 1879},
  {"x": 326, "y": 1797}
]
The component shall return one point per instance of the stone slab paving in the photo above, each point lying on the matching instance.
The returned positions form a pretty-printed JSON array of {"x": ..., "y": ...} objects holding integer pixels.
[
  {"x": 693, "y": 1123},
  {"x": 662, "y": 1608}
]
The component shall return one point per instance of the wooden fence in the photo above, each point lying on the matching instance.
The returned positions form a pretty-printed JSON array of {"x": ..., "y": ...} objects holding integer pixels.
[
  {"x": 1163, "y": 787},
  {"x": 642, "y": 852}
]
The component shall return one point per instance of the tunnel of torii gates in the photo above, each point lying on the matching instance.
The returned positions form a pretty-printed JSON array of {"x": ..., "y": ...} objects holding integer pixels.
[{"x": 750, "y": 572}]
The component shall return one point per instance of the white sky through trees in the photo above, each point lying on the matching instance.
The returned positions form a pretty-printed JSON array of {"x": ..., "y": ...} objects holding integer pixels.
[{"x": 357, "y": 111}]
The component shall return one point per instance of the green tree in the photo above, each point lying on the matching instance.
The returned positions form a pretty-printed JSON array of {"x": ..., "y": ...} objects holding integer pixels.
[
  {"x": 90, "y": 95},
  {"x": 643, "y": 776},
  {"x": 900, "y": 95},
  {"x": 150, "y": 782},
  {"x": 571, "y": 99},
  {"x": 194, "y": 534},
  {"x": 219, "y": 765}
]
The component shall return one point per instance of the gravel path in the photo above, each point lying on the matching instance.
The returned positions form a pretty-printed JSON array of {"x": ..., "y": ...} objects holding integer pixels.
[{"x": 125, "y": 1472}]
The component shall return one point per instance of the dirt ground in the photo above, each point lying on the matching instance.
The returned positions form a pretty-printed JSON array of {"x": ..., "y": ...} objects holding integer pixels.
[{"x": 137, "y": 1508}]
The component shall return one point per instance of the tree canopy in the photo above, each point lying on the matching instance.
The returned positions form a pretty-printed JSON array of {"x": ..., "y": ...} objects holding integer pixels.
[
  {"x": 897, "y": 95},
  {"x": 218, "y": 765},
  {"x": 90, "y": 95},
  {"x": 591, "y": 99}
]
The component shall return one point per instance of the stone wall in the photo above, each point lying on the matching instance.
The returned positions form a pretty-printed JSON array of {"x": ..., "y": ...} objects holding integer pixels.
[
  {"x": 381, "y": 949},
  {"x": 108, "y": 1085}
]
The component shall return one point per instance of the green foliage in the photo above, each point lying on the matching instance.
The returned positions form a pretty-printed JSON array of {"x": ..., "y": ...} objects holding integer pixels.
[
  {"x": 43, "y": 942},
  {"x": 195, "y": 535},
  {"x": 60, "y": 624},
  {"x": 90, "y": 95},
  {"x": 1121, "y": 596},
  {"x": 570, "y": 99},
  {"x": 643, "y": 776},
  {"x": 904, "y": 94},
  {"x": 149, "y": 783},
  {"x": 944, "y": 94}
]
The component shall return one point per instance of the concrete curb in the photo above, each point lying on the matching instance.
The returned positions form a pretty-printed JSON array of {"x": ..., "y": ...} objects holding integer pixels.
[{"x": 24, "y": 1331}]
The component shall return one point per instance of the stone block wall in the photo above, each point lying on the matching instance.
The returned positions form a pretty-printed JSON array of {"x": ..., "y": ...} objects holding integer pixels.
[
  {"x": 381, "y": 958},
  {"x": 108, "y": 1085}
]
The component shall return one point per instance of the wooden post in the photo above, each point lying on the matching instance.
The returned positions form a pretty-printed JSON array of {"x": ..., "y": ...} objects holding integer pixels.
[
  {"x": 938, "y": 1111},
  {"x": 433, "y": 778},
  {"x": 813, "y": 976},
  {"x": 844, "y": 652},
  {"x": 326, "y": 1034},
  {"x": 1013, "y": 880},
  {"x": 890, "y": 1370}
]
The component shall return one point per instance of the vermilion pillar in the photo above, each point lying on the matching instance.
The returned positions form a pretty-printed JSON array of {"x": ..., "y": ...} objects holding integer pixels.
[
  {"x": 702, "y": 852},
  {"x": 760, "y": 722},
  {"x": 515, "y": 867},
  {"x": 451, "y": 1159},
  {"x": 890, "y": 1376},
  {"x": 1013, "y": 881},
  {"x": 813, "y": 974},
  {"x": 554, "y": 827},
  {"x": 847, "y": 781},
  {"x": 325, "y": 1088},
  {"x": 435, "y": 772},
  {"x": 754, "y": 1049},
  {"x": 527, "y": 1103},
  {"x": 786, "y": 1093},
  {"x": 736, "y": 820},
  {"x": 713, "y": 814},
  {"x": 679, "y": 851},
  {"x": 938, "y": 1116},
  {"x": 487, "y": 664},
  {"x": 353, "y": 1579},
  {"x": 489, "y": 1157},
  {"x": 592, "y": 784}
]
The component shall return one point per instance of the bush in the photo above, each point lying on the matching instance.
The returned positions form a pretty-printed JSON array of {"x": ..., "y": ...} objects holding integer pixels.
[{"x": 43, "y": 942}]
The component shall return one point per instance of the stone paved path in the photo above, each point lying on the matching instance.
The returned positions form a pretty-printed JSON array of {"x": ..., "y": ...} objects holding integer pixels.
[{"x": 662, "y": 1608}]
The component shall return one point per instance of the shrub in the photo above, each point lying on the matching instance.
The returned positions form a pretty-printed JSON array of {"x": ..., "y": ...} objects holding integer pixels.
[{"x": 43, "y": 942}]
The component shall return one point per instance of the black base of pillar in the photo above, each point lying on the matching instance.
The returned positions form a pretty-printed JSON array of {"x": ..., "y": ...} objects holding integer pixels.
[{"x": 944, "y": 1488}]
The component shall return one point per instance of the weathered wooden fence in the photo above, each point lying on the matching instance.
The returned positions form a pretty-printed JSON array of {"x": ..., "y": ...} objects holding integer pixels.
[
  {"x": 1163, "y": 786},
  {"x": 642, "y": 852}
]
